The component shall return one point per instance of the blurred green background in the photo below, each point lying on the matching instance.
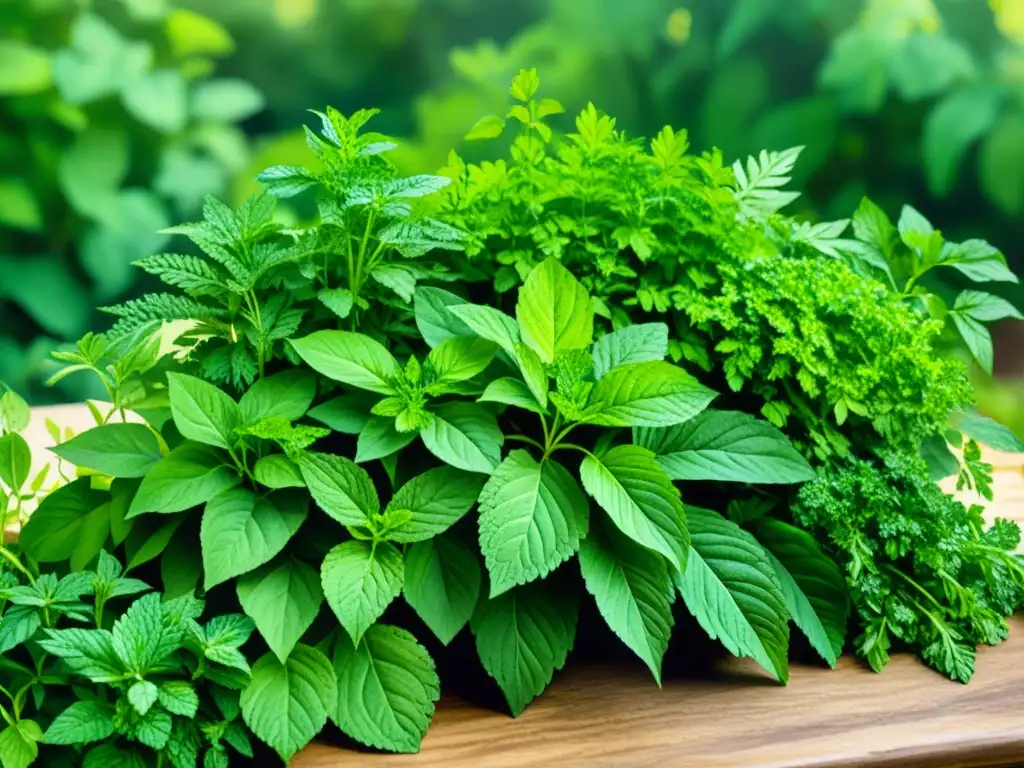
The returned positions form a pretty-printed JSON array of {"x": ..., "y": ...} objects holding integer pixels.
[{"x": 119, "y": 115}]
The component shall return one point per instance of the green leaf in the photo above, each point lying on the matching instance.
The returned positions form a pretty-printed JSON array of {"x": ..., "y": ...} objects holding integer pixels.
[
  {"x": 988, "y": 432},
  {"x": 178, "y": 698},
  {"x": 283, "y": 599},
  {"x": 93, "y": 168},
  {"x": 360, "y": 580},
  {"x": 143, "y": 637},
  {"x": 464, "y": 435},
  {"x": 15, "y": 461},
  {"x": 442, "y": 584},
  {"x": 18, "y": 744},
  {"x": 436, "y": 499},
  {"x": 951, "y": 127},
  {"x": 14, "y": 412},
  {"x": 911, "y": 220},
  {"x": 158, "y": 100},
  {"x": 387, "y": 688},
  {"x": 88, "y": 652},
  {"x": 984, "y": 307},
  {"x": 109, "y": 756},
  {"x": 651, "y": 394},
  {"x": 54, "y": 531},
  {"x": 460, "y": 358},
  {"x": 225, "y": 100},
  {"x": 19, "y": 623},
  {"x": 347, "y": 414},
  {"x": 350, "y": 358},
  {"x": 224, "y": 635},
  {"x": 241, "y": 531},
  {"x": 338, "y": 300},
  {"x": 379, "y": 439},
  {"x": 554, "y": 311},
  {"x": 511, "y": 392},
  {"x": 435, "y": 323},
  {"x": 522, "y": 637},
  {"x": 977, "y": 338},
  {"x": 189, "y": 475},
  {"x": 201, "y": 411},
  {"x": 531, "y": 519},
  {"x": 725, "y": 445},
  {"x": 632, "y": 344},
  {"x": 731, "y": 589},
  {"x": 147, "y": 539},
  {"x": 534, "y": 373},
  {"x": 118, "y": 450},
  {"x": 812, "y": 585},
  {"x": 278, "y": 471},
  {"x": 24, "y": 69},
  {"x": 630, "y": 485},
  {"x": 82, "y": 723},
  {"x": 142, "y": 696},
  {"x": 487, "y": 127},
  {"x": 19, "y": 208},
  {"x": 286, "y": 395},
  {"x": 1001, "y": 150},
  {"x": 633, "y": 591},
  {"x": 489, "y": 323},
  {"x": 340, "y": 488},
  {"x": 286, "y": 703},
  {"x": 979, "y": 261}
]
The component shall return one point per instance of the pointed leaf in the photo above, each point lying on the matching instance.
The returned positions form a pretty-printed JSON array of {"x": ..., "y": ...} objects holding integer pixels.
[
  {"x": 442, "y": 584},
  {"x": 350, "y": 358},
  {"x": 632, "y": 344},
  {"x": 554, "y": 311},
  {"x": 651, "y": 394},
  {"x": 283, "y": 599},
  {"x": 117, "y": 450},
  {"x": 360, "y": 580},
  {"x": 201, "y": 411},
  {"x": 464, "y": 435}
]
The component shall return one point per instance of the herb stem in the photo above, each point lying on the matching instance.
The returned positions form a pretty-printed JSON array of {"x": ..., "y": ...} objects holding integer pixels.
[
  {"x": 15, "y": 561},
  {"x": 525, "y": 439},
  {"x": 572, "y": 447}
]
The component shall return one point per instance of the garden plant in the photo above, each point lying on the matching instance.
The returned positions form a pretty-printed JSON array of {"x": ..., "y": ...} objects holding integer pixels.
[{"x": 589, "y": 376}]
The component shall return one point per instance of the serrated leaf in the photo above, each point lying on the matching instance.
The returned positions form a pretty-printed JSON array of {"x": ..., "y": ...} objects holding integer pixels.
[
  {"x": 143, "y": 636},
  {"x": 554, "y": 311},
  {"x": 350, "y": 358},
  {"x": 633, "y": 591},
  {"x": 285, "y": 395},
  {"x": 725, "y": 445},
  {"x": 630, "y": 485},
  {"x": 360, "y": 580},
  {"x": 984, "y": 307},
  {"x": 189, "y": 475},
  {"x": 340, "y": 488},
  {"x": 117, "y": 450},
  {"x": 531, "y": 518},
  {"x": 436, "y": 499},
  {"x": 632, "y": 344},
  {"x": 142, "y": 696},
  {"x": 18, "y": 744},
  {"x": 89, "y": 652},
  {"x": 510, "y": 391},
  {"x": 731, "y": 588},
  {"x": 178, "y": 698},
  {"x": 81, "y": 723},
  {"x": 282, "y": 599},
  {"x": 522, "y": 637},
  {"x": 387, "y": 688},
  {"x": 460, "y": 358},
  {"x": 201, "y": 411},
  {"x": 651, "y": 394},
  {"x": 286, "y": 704},
  {"x": 442, "y": 584},
  {"x": 464, "y": 435}
]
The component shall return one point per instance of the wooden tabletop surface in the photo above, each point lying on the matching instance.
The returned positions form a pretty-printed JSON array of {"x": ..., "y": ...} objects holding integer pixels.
[{"x": 906, "y": 717}]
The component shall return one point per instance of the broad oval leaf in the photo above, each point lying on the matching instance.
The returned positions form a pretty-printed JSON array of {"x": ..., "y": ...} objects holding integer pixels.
[
  {"x": 434, "y": 321},
  {"x": 55, "y": 529},
  {"x": 241, "y": 531},
  {"x": 282, "y": 599},
  {"x": 509, "y": 391},
  {"x": 189, "y": 475},
  {"x": 990, "y": 432},
  {"x": 437, "y": 499},
  {"x": 442, "y": 584},
  {"x": 360, "y": 580},
  {"x": 812, "y": 585},
  {"x": 379, "y": 439},
  {"x": 117, "y": 450},
  {"x": 731, "y": 588},
  {"x": 201, "y": 411},
  {"x": 726, "y": 445},
  {"x": 534, "y": 373},
  {"x": 460, "y": 358},
  {"x": 286, "y": 704},
  {"x": 278, "y": 471},
  {"x": 522, "y": 637},
  {"x": 15, "y": 460},
  {"x": 489, "y": 323},
  {"x": 350, "y": 358},
  {"x": 651, "y": 394},
  {"x": 464, "y": 435},
  {"x": 285, "y": 395},
  {"x": 340, "y": 488},
  {"x": 554, "y": 311},
  {"x": 630, "y": 485},
  {"x": 632, "y": 344},
  {"x": 84, "y": 722},
  {"x": 633, "y": 591},
  {"x": 387, "y": 688},
  {"x": 347, "y": 414},
  {"x": 531, "y": 518}
]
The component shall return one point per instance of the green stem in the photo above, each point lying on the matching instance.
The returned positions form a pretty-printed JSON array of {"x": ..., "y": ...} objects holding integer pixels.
[
  {"x": 525, "y": 439},
  {"x": 13, "y": 559},
  {"x": 547, "y": 432},
  {"x": 572, "y": 447},
  {"x": 916, "y": 586},
  {"x": 357, "y": 284},
  {"x": 562, "y": 435}
]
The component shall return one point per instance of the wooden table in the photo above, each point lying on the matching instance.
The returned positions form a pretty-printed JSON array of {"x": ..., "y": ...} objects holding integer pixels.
[{"x": 906, "y": 717}]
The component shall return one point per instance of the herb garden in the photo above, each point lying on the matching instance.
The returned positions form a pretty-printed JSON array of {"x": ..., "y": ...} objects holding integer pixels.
[{"x": 437, "y": 421}]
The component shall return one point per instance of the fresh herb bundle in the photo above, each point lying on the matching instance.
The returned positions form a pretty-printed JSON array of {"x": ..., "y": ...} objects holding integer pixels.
[{"x": 342, "y": 412}]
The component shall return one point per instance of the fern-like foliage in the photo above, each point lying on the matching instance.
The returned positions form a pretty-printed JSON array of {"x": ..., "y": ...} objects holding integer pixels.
[{"x": 758, "y": 185}]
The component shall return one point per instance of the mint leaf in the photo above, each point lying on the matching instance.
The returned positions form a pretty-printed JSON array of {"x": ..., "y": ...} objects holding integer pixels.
[
  {"x": 985, "y": 307},
  {"x": 54, "y": 531},
  {"x": 534, "y": 373},
  {"x": 201, "y": 411},
  {"x": 18, "y": 744},
  {"x": 531, "y": 518},
  {"x": 19, "y": 623},
  {"x": 178, "y": 698},
  {"x": 242, "y": 531},
  {"x": 338, "y": 300},
  {"x": 977, "y": 338},
  {"x": 651, "y": 394},
  {"x": 442, "y": 584},
  {"x": 340, "y": 488},
  {"x": 142, "y": 696},
  {"x": 283, "y": 600},
  {"x": 88, "y": 652},
  {"x": 223, "y": 636},
  {"x": 82, "y": 723},
  {"x": 109, "y": 756},
  {"x": 725, "y": 445},
  {"x": 278, "y": 471},
  {"x": 436, "y": 499},
  {"x": 435, "y": 323},
  {"x": 630, "y": 485},
  {"x": 286, "y": 703},
  {"x": 148, "y": 538},
  {"x": 812, "y": 585},
  {"x": 143, "y": 638},
  {"x": 460, "y": 358},
  {"x": 988, "y": 432},
  {"x": 189, "y": 475},
  {"x": 347, "y": 414},
  {"x": 979, "y": 261},
  {"x": 632, "y": 344},
  {"x": 511, "y": 392},
  {"x": 350, "y": 358},
  {"x": 117, "y": 450},
  {"x": 633, "y": 591},
  {"x": 286, "y": 395},
  {"x": 379, "y": 439},
  {"x": 464, "y": 435},
  {"x": 360, "y": 580},
  {"x": 731, "y": 588},
  {"x": 489, "y": 323},
  {"x": 387, "y": 688},
  {"x": 554, "y": 311},
  {"x": 15, "y": 460},
  {"x": 522, "y": 637},
  {"x": 154, "y": 729}
]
